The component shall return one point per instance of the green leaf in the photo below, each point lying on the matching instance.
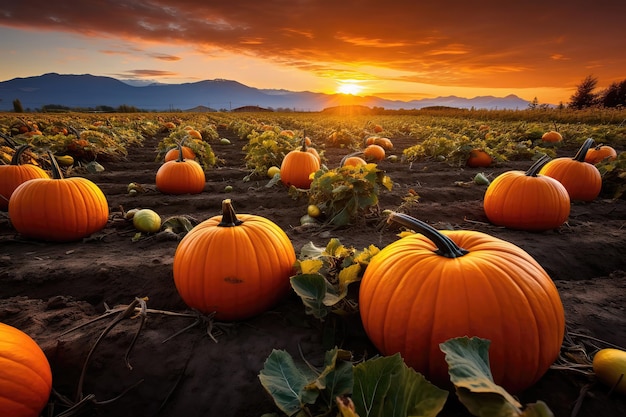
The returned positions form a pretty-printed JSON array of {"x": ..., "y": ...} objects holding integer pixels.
[
  {"x": 336, "y": 378},
  {"x": 386, "y": 387},
  {"x": 286, "y": 383},
  {"x": 312, "y": 289},
  {"x": 468, "y": 366}
]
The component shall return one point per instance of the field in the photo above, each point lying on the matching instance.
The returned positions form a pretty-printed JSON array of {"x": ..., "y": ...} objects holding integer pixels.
[{"x": 211, "y": 369}]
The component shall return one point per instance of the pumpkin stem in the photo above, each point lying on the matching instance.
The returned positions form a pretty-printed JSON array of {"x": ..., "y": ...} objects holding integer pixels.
[
  {"x": 445, "y": 246},
  {"x": 582, "y": 152},
  {"x": 179, "y": 145},
  {"x": 536, "y": 167},
  {"x": 15, "y": 160},
  {"x": 57, "y": 174},
  {"x": 303, "y": 142},
  {"x": 229, "y": 217}
]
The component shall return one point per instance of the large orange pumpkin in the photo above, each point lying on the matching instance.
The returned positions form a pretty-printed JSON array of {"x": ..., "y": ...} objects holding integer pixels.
[
  {"x": 58, "y": 209},
  {"x": 14, "y": 174},
  {"x": 433, "y": 285},
  {"x": 25, "y": 375},
  {"x": 297, "y": 167},
  {"x": 527, "y": 201},
  {"x": 234, "y": 265},
  {"x": 581, "y": 179},
  {"x": 180, "y": 176}
]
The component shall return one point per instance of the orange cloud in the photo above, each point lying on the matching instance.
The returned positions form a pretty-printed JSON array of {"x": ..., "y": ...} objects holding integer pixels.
[{"x": 456, "y": 43}]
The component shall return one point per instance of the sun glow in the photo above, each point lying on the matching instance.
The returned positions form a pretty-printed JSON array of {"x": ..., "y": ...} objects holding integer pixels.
[{"x": 350, "y": 87}]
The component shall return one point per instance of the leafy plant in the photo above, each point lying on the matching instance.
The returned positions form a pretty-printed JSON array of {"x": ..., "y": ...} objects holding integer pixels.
[
  {"x": 386, "y": 386},
  {"x": 344, "y": 194},
  {"x": 468, "y": 366},
  {"x": 613, "y": 176},
  {"x": 382, "y": 386},
  {"x": 324, "y": 275},
  {"x": 267, "y": 148}
]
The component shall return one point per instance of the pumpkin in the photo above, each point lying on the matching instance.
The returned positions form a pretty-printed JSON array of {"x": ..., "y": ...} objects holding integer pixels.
[
  {"x": 25, "y": 375},
  {"x": 374, "y": 153},
  {"x": 582, "y": 180},
  {"x": 58, "y": 209},
  {"x": 14, "y": 174},
  {"x": 146, "y": 220},
  {"x": 234, "y": 265},
  {"x": 172, "y": 154},
  {"x": 478, "y": 158},
  {"x": 297, "y": 167},
  {"x": 600, "y": 153},
  {"x": 352, "y": 159},
  {"x": 180, "y": 176},
  {"x": 527, "y": 201},
  {"x": 552, "y": 136},
  {"x": 609, "y": 366},
  {"x": 431, "y": 286}
]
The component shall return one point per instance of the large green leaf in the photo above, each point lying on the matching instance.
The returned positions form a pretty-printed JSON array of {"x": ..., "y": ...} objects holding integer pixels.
[
  {"x": 468, "y": 366},
  {"x": 312, "y": 289},
  {"x": 287, "y": 383},
  {"x": 386, "y": 387}
]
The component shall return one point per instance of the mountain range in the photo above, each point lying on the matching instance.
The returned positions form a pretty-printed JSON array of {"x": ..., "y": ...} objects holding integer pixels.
[{"x": 89, "y": 91}]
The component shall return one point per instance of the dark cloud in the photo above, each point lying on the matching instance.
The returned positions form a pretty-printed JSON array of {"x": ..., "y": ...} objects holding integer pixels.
[{"x": 446, "y": 42}]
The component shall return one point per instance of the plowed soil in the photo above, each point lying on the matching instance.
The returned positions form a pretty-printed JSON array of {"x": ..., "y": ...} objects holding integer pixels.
[{"x": 47, "y": 289}]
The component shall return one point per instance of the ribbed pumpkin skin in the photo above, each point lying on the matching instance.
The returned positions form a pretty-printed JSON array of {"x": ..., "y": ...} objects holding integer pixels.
[
  {"x": 58, "y": 210},
  {"x": 518, "y": 201},
  {"x": 296, "y": 168},
  {"x": 237, "y": 271},
  {"x": 25, "y": 376},
  {"x": 412, "y": 299},
  {"x": 582, "y": 180},
  {"x": 11, "y": 176},
  {"x": 180, "y": 177}
]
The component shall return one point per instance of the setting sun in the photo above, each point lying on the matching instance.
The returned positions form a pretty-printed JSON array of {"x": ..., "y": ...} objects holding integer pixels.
[{"x": 349, "y": 87}]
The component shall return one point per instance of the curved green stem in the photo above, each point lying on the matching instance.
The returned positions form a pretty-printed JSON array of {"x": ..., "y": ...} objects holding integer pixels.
[
  {"x": 229, "y": 217},
  {"x": 582, "y": 152},
  {"x": 57, "y": 174},
  {"x": 536, "y": 167},
  {"x": 445, "y": 246}
]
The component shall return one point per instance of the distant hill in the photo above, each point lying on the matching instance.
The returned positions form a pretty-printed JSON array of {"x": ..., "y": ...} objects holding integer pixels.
[{"x": 89, "y": 91}]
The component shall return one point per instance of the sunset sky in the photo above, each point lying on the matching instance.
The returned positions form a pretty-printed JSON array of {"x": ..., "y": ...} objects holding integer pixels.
[{"x": 392, "y": 49}]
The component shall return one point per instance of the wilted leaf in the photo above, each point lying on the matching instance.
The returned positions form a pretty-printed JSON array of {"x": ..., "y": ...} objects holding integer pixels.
[
  {"x": 311, "y": 266},
  {"x": 310, "y": 251},
  {"x": 286, "y": 383}
]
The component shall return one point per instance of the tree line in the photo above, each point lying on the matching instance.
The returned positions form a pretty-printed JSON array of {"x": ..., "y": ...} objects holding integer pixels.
[{"x": 586, "y": 96}]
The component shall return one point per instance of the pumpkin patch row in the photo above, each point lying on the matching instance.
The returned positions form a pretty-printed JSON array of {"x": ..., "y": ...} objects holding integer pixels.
[{"x": 209, "y": 257}]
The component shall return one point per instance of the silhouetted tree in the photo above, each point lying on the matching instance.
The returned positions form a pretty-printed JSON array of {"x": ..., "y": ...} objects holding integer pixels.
[
  {"x": 17, "y": 106},
  {"x": 584, "y": 95},
  {"x": 614, "y": 95}
]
